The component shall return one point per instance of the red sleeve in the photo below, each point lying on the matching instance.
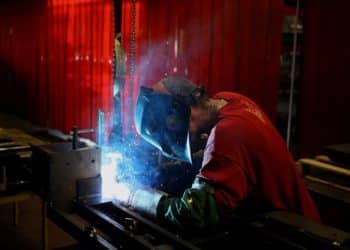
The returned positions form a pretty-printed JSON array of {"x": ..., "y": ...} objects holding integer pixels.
[{"x": 225, "y": 165}]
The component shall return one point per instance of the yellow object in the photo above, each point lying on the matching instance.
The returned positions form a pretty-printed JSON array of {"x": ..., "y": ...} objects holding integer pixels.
[{"x": 324, "y": 166}]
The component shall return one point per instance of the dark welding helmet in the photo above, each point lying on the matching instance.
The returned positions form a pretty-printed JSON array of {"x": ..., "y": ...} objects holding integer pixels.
[{"x": 163, "y": 121}]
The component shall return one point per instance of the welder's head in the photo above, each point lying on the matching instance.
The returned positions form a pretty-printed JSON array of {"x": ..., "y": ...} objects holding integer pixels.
[
  {"x": 181, "y": 89},
  {"x": 163, "y": 115},
  {"x": 202, "y": 113}
]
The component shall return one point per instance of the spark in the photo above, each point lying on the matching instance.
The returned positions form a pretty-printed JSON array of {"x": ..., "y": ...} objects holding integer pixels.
[{"x": 109, "y": 166}]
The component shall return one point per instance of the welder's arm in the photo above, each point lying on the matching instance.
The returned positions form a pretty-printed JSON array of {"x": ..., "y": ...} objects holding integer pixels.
[
  {"x": 144, "y": 201},
  {"x": 196, "y": 209}
]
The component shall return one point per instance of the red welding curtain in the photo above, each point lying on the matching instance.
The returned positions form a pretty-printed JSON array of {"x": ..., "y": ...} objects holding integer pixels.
[
  {"x": 324, "y": 115},
  {"x": 222, "y": 44},
  {"x": 60, "y": 54}
]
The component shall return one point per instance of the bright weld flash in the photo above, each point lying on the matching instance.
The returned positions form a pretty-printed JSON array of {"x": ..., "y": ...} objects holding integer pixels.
[
  {"x": 121, "y": 192},
  {"x": 110, "y": 188}
]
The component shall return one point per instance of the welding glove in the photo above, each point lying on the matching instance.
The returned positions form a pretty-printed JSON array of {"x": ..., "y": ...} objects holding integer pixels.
[
  {"x": 195, "y": 210},
  {"x": 144, "y": 201}
]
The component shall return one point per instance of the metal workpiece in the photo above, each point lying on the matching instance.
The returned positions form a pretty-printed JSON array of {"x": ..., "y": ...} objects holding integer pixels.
[
  {"x": 57, "y": 168},
  {"x": 127, "y": 228},
  {"x": 87, "y": 235},
  {"x": 91, "y": 231},
  {"x": 313, "y": 234},
  {"x": 132, "y": 224},
  {"x": 15, "y": 172},
  {"x": 276, "y": 230},
  {"x": 75, "y": 133}
]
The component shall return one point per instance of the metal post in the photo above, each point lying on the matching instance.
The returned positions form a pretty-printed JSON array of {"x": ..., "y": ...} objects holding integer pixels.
[
  {"x": 100, "y": 127},
  {"x": 74, "y": 137},
  {"x": 292, "y": 76},
  {"x": 15, "y": 213},
  {"x": 44, "y": 228}
]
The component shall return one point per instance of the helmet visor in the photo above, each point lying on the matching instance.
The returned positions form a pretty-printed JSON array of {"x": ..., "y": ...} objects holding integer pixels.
[{"x": 163, "y": 121}]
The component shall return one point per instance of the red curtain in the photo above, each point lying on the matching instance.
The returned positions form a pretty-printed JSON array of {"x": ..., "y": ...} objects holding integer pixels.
[
  {"x": 227, "y": 45},
  {"x": 60, "y": 55},
  {"x": 325, "y": 100},
  {"x": 18, "y": 44}
]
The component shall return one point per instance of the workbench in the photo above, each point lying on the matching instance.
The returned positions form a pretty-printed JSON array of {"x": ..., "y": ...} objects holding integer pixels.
[
  {"x": 329, "y": 184},
  {"x": 15, "y": 170}
]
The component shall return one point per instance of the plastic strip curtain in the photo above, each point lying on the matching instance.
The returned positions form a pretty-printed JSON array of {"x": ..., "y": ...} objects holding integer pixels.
[
  {"x": 62, "y": 52},
  {"x": 325, "y": 90},
  {"x": 227, "y": 45},
  {"x": 80, "y": 49}
]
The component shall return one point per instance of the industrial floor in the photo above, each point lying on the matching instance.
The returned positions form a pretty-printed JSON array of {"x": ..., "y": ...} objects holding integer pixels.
[{"x": 26, "y": 235}]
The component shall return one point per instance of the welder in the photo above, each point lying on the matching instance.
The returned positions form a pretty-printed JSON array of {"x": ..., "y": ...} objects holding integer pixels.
[{"x": 246, "y": 169}]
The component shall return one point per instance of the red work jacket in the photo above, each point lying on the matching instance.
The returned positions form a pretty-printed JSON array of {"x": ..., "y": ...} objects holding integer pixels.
[{"x": 249, "y": 164}]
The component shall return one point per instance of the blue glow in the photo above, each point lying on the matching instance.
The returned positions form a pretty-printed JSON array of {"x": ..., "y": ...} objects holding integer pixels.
[
  {"x": 127, "y": 165},
  {"x": 110, "y": 161}
]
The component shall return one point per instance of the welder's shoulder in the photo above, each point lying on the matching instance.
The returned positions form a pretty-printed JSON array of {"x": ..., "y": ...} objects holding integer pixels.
[
  {"x": 233, "y": 136},
  {"x": 228, "y": 130}
]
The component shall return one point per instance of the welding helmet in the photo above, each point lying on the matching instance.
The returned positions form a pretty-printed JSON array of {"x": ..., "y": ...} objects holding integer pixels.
[{"x": 163, "y": 119}]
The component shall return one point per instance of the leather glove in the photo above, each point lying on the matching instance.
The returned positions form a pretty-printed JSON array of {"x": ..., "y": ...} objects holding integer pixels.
[{"x": 144, "y": 201}]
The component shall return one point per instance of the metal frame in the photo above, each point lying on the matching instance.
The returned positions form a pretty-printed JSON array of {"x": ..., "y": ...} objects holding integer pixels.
[
  {"x": 133, "y": 231},
  {"x": 88, "y": 238},
  {"x": 276, "y": 230}
]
